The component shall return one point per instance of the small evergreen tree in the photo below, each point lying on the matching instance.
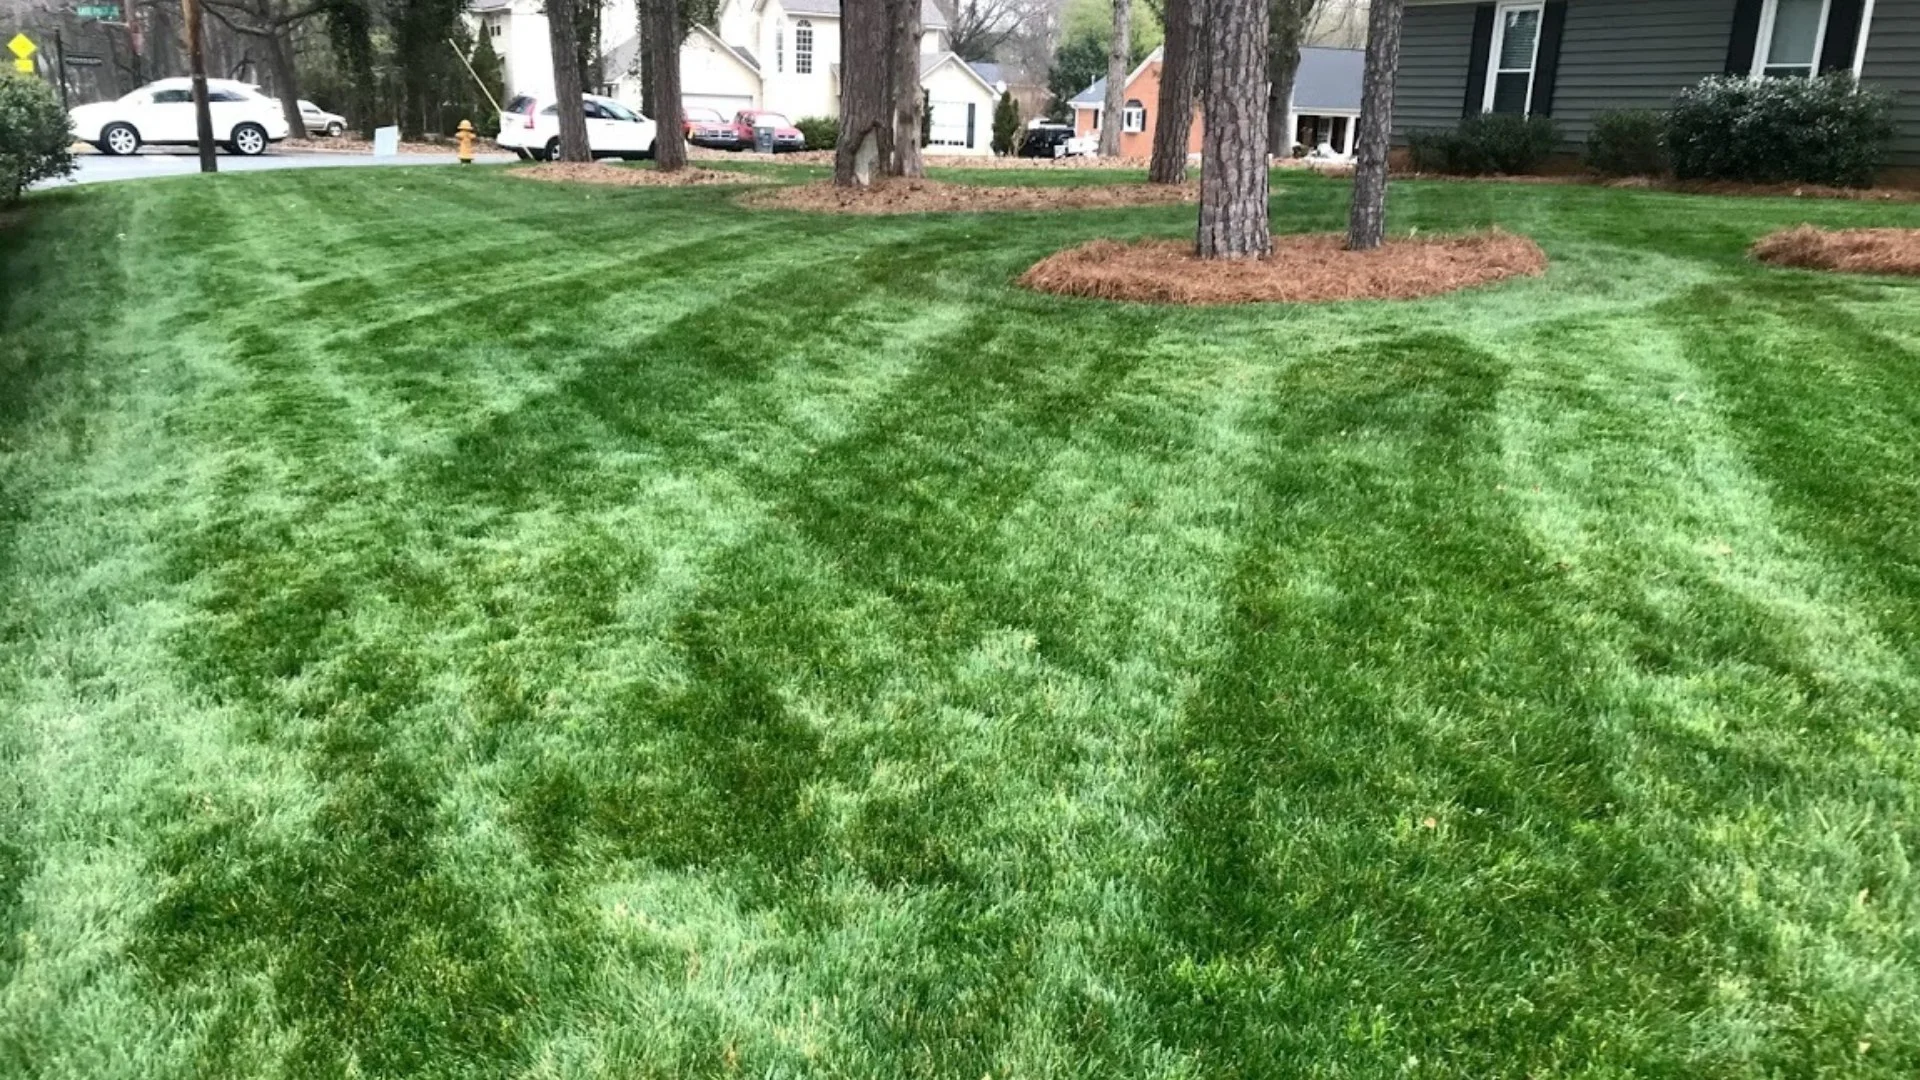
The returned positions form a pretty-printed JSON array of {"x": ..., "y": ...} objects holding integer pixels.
[
  {"x": 1006, "y": 124},
  {"x": 492, "y": 72},
  {"x": 34, "y": 135}
]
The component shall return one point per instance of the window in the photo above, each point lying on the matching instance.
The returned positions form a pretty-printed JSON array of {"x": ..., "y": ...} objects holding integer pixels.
[
  {"x": 1134, "y": 116},
  {"x": 1516, "y": 38},
  {"x": 171, "y": 97},
  {"x": 803, "y": 47},
  {"x": 1791, "y": 34},
  {"x": 225, "y": 95},
  {"x": 780, "y": 46}
]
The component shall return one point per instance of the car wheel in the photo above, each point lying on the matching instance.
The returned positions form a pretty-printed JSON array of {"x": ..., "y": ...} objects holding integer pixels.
[
  {"x": 524, "y": 153},
  {"x": 553, "y": 148},
  {"x": 336, "y": 129},
  {"x": 249, "y": 140},
  {"x": 119, "y": 139}
]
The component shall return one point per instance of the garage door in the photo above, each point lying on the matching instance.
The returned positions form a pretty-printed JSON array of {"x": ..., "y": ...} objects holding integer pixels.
[
  {"x": 724, "y": 104},
  {"x": 953, "y": 124}
]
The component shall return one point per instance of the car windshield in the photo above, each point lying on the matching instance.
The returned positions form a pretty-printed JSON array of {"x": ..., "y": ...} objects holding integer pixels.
[
  {"x": 773, "y": 118},
  {"x": 703, "y": 116},
  {"x": 140, "y": 96},
  {"x": 618, "y": 111}
]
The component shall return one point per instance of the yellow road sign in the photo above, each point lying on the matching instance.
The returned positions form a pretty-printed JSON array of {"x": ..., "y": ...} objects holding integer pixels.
[
  {"x": 22, "y": 46},
  {"x": 24, "y": 66}
]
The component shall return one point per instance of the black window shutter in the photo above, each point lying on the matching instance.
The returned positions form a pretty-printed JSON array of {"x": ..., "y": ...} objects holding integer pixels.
[
  {"x": 1546, "y": 57},
  {"x": 1843, "y": 33},
  {"x": 1746, "y": 35},
  {"x": 1477, "y": 61},
  {"x": 970, "y": 108}
]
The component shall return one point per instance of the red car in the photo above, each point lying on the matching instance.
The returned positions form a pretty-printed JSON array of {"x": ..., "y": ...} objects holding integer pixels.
[
  {"x": 786, "y": 137},
  {"x": 706, "y": 127}
]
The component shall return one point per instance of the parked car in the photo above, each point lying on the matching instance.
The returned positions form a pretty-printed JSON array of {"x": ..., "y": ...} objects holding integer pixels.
[
  {"x": 708, "y": 128},
  {"x": 613, "y": 130},
  {"x": 1055, "y": 141},
  {"x": 786, "y": 137},
  {"x": 245, "y": 121},
  {"x": 321, "y": 122}
]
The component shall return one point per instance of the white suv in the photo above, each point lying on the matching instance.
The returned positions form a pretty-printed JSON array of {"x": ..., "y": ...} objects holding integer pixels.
[
  {"x": 245, "y": 120},
  {"x": 613, "y": 130}
]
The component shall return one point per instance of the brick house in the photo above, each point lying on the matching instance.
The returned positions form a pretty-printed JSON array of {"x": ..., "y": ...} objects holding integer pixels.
[{"x": 1325, "y": 106}]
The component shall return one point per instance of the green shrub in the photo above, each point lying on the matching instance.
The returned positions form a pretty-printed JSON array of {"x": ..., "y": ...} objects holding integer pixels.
[
  {"x": 1484, "y": 143},
  {"x": 1006, "y": 124},
  {"x": 1628, "y": 142},
  {"x": 822, "y": 132},
  {"x": 34, "y": 135},
  {"x": 1817, "y": 131}
]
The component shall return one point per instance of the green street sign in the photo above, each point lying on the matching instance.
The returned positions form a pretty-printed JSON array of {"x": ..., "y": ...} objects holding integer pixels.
[{"x": 104, "y": 12}]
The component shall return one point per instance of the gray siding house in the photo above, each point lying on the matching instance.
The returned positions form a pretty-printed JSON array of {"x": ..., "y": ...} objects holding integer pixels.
[{"x": 1570, "y": 59}]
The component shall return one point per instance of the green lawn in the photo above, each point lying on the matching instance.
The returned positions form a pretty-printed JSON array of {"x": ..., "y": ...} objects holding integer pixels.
[{"x": 457, "y": 627}]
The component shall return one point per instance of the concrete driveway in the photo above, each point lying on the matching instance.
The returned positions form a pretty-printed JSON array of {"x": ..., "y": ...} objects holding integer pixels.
[{"x": 99, "y": 168}]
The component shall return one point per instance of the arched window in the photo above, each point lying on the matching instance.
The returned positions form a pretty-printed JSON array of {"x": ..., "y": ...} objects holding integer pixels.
[
  {"x": 803, "y": 47},
  {"x": 779, "y": 46},
  {"x": 1134, "y": 116}
]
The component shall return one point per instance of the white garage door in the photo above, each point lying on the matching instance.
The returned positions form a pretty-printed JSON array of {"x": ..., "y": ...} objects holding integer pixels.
[
  {"x": 724, "y": 104},
  {"x": 955, "y": 123}
]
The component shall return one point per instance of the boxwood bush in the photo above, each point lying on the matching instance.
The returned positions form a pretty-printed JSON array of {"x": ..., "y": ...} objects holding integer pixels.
[
  {"x": 1485, "y": 143},
  {"x": 1816, "y": 131},
  {"x": 822, "y": 132},
  {"x": 34, "y": 135},
  {"x": 1628, "y": 142}
]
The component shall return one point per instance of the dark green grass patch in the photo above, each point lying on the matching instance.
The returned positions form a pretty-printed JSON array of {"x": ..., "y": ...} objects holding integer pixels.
[{"x": 496, "y": 629}]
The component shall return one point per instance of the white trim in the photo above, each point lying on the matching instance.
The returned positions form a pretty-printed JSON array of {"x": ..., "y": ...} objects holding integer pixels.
[
  {"x": 1533, "y": 61},
  {"x": 1763, "y": 43},
  {"x": 1860, "y": 43}
]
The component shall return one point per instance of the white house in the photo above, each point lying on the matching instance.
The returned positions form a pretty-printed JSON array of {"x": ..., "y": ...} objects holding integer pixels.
[{"x": 779, "y": 55}]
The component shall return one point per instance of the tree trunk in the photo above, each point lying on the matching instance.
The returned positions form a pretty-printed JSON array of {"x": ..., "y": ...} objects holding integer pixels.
[
  {"x": 1291, "y": 18},
  {"x": 865, "y": 148},
  {"x": 904, "y": 63},
  {"x": 197, "y": 65},
  {"x": 645, "y": 69},
  {"x": 1233, "y": 161},
  {"x": 1119, "y": 62},
  {"x": 660, "y": 40},
  {"x": 1173, "y": 123},
  {"x": 561, "y": 26},
  {"x": 286, "y": 80},
  {"x": 1367, "y": 221}
]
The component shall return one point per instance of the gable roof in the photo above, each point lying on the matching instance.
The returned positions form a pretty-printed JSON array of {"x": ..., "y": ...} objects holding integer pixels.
[
  {"x": 932, "y": 62},
  {"x": 989, "y": 73},
  {"x": 930, "y": 17},
  {"x": 1329, "y": 79},
  {"x": 1095, "y": 96}
]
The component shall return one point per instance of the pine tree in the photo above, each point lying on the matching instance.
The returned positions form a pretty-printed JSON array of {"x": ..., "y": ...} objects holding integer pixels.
[
  {"x": 1006, "y": 123},
  {"x": 492, "y": 73}
]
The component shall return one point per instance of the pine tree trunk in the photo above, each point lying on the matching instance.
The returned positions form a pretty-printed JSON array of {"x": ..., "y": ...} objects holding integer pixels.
[
  {"x": 1233, "y": 157},
  {"x": 561, "y": 26},
  {"x": 660, "y": 39},
  {"x": 865, "y": 149},
  {"x": 1367, "y": 221},
  {"x": 286, "y": 80},
  {"x": 1173, "y": 123},
  {"x": 1119, "y": 64},
  {"x": 907, "y": 99},
  {"x": 1291, "y": 18},
  {"x": 645, "y": 70}
]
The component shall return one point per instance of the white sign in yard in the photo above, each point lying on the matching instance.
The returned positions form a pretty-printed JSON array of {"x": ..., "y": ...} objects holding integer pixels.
[{"x": 386, "y": 141}]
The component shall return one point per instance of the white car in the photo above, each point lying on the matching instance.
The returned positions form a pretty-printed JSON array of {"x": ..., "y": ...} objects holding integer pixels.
[
  {"x": 245, "y": 120},
  {"x": 321, "y": 122},
  {"x": 613, "y": 130}
]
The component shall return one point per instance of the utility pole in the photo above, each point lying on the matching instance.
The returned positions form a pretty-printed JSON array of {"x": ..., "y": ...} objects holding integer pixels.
[{"x": 197, "y": 65}]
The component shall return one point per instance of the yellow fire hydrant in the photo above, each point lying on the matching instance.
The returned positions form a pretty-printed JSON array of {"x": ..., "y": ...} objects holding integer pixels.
[{"x": 466, "y": 142}]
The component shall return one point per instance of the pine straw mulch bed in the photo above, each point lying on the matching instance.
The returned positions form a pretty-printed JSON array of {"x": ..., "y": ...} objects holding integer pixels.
[
  {"x": 938, "y": 196},
  {"x": 1302, "y": 269},
  {"x": 580, "y": 172},
  {"x": 1852, "y": 251}
]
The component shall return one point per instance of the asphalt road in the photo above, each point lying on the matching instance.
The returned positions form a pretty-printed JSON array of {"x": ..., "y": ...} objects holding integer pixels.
[{"x": 99, "y": 168}]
